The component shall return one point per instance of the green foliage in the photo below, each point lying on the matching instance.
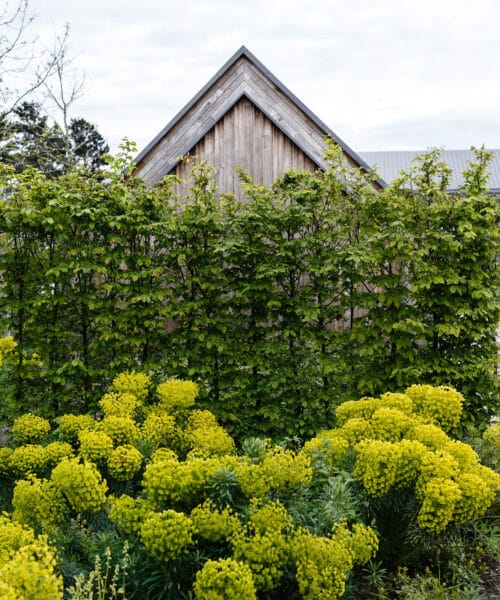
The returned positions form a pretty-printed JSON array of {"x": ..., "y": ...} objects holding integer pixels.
[
  {"x": 279, "y": 307},
  {"x": 315, "y": 291}
]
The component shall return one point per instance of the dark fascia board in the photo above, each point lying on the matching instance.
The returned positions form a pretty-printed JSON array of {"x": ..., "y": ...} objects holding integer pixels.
[{"x": 243, "y": 51}]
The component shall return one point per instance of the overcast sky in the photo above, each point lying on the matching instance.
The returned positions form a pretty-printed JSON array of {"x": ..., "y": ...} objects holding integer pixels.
[{"x": 384, "y": 74}]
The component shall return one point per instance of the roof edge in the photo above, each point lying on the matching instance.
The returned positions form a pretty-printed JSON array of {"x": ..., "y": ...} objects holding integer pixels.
[
  {"x": 244, "y": 51},
  {"x": 241, "y": 52}
]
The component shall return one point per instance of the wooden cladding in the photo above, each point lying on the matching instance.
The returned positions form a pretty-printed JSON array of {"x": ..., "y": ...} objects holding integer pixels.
[
  {"x": 244, "y": 117},
  {"x": 245, "y": 138}
]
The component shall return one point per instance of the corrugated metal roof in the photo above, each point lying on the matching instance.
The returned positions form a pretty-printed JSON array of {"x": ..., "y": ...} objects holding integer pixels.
[{"x": 389, "y": 164}]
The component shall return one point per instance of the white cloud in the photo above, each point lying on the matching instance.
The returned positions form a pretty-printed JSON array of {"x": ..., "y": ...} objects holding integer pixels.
[{"x": 381, "y": 75}]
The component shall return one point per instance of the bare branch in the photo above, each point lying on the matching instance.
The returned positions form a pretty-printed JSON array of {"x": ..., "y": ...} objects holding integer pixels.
[
  {"x": 65, "y": 84},
  {"x": 24, "y": 65}
]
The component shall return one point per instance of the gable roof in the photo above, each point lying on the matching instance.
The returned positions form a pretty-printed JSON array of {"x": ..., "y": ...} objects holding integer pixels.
[
  {"x": 242, "y": 76},
  {"x": 390, "y": 163}
]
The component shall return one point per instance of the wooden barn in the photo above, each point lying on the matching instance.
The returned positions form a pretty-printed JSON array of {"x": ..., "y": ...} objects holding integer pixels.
[{"x": 243, "y": 117}]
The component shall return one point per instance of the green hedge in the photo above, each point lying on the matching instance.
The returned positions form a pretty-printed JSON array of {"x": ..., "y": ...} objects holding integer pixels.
[{"x": 317, "y": 290}]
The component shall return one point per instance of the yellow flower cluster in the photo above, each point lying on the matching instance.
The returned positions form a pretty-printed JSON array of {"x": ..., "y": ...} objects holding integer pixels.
[
  {"x": 435, "y": 464},
  {"x": 13, "y": 536},
  {"x": 377, "y": 465},
  {"x": 71, "y": 425},
  {"x": 411, "y": 453},
  {"x": 122, "y": 430},
  {"x": 56, "y": 451},
  {"x": 128, "y": 513},
  {"x": 264, "y": 543},
  {"x": 390, "y": 424},
  {"x": 465, "y": 456},
  {"x": 5, "y": 454},
  {"x": 271, "y": 516},
  {"x": 355, "y": 430},
  {"x": 81, "y": 484},
  {"x": 38, "y": 503},
  {"x": 28, "y": 459},
  {"x": 362, "y": 541},
  {"x": 122, "y": 404},
  {"x": 133, "y": 383},
  {"x": 27, "y": 565},
  {"x": 265, "y": 553},
  {"x": 201, "y": 419},
  {"x": 169, "y": 481},
  {"x": 124, "y": 462},
  {"x": 95, "y": 446},
  {"x": 224, "y": 579},
  {"x": 159, "y": 429},
  {"x": 281, "y": 470},
  {"x": 30, "y": 429},
  {"x": 430, "y": 435},
  {"x": 442, "y": 404},
  {"x": 163, "y": 455},
  {"x": 7, "y": 344},
  {"x": 492, "y": 436},
  {"x": 401, "y": 402},
  {"x": 176, "y": 394},
  {"x": 356, "y": 409},
  {"x": 206, "y": 437},
  {"x": 212, "y": 524},
  {"x": 322, "y": 564},
  {"x": 399, "y": 442},
  {"x": 440, "y": 496},
  {"x": 476, "y": 496},
  {"x": 166, "y": 534}
]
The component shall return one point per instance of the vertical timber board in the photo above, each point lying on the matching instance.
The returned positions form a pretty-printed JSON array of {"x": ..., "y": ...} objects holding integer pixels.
[
  {"x": 259, "y": 147},
  {"x": 245, "y": 138},
  {"x": 267, "y": 152}
]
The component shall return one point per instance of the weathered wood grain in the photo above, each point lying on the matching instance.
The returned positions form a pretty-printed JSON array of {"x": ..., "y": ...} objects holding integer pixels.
[{"x": 244, "y": 138}]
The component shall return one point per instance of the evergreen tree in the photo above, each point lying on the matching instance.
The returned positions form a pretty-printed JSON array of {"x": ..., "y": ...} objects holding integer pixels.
[{"x": 30, "y": 139}]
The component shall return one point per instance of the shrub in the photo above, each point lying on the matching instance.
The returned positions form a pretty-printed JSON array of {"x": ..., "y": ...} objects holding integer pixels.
[
  {"x": 224, "y": 579},
  {"x": 95, "y": 446},
  {"x": 27, "y": 565},
  {"x": 166, "y": 534},
  {"x": 124, "y": 462},
  {"x": 81, "y": 484},
  {"x": 176, "y": 395},
  {"x": 29, "y": 429},
  {"x": 133, "y": 383}
]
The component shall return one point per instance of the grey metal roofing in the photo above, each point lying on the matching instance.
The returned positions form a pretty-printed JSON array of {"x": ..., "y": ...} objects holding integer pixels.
[
  {"x": 389, "y": 164},
  {"x": 243, "y": 51}
]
